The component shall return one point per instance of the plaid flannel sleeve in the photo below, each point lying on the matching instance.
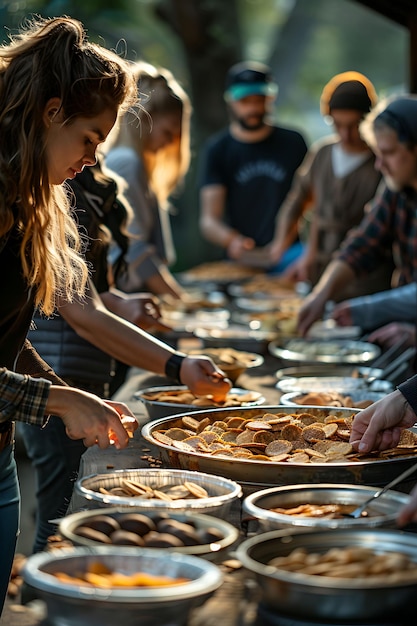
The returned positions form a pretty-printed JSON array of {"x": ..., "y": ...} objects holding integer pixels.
[
  {"x": 23, "y": 398},
  {"x": 365, "y": 245}
]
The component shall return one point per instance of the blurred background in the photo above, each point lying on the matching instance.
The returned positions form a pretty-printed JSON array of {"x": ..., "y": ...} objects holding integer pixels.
[{"x": 304, "y": 42}]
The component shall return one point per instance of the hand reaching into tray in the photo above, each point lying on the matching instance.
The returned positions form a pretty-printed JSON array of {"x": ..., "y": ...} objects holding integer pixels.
[
  {"x": 203, "y": 377},
  {"x": 379, "y": 427}
]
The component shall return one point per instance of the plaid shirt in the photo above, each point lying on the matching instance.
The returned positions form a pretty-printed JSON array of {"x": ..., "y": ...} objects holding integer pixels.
[
  {"x": 23, "y": 398},
  {"x": 389, "y": 227}
]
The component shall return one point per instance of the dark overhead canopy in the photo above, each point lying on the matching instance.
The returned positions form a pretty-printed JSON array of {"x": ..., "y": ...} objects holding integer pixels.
[
  {"x": 403, "y": 12},
  {"x": 399, "y": 11}
]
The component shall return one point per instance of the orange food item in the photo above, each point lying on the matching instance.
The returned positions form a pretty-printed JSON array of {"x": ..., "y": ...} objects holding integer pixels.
[{"x": 98, "y": 575}]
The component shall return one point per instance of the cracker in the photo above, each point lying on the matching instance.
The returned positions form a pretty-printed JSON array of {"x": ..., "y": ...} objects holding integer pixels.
[
  {"x": 313, "y": 433},
  {"x": 291, "y": 432},
  {"x": 278, "y": 446}
]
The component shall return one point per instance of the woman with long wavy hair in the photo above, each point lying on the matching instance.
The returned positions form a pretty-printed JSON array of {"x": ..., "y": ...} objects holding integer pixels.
[{"x": 59, "y": 98}]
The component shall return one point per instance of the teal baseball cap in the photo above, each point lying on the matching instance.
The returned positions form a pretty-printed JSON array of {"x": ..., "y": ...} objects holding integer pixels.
[{"x": 249, "y": 78}]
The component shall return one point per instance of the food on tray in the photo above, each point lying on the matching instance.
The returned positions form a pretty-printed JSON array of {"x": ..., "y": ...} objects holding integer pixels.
[
  {"x": 322, "y": 511},
  {"x": 98, "y": 575},
  {"x": 149, "y": 531},
  {"x": 282, "y": 437},
  {"x": 185, "y": 396},
  {"x": 322, "y": 348},
  {"x": 219, "y": 270},
  {"x": 331, "y": 399},
  {"x": 271, "y": 285},
  {"x": 227, "y": 358},
  {"x": 350, "y": 562},
  {"x": 131, "y": 489}
]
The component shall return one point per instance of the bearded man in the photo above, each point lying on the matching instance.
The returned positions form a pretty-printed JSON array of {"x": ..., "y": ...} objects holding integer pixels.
[{"x": 248, "y": 168}]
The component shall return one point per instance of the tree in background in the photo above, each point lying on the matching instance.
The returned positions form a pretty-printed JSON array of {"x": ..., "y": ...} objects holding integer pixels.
[{"x": 304, "y": 42}]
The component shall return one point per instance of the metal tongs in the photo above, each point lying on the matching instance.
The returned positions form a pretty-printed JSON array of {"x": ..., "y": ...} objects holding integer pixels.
[
  {"x": 389, "y": 367},
  {"x": 359, "y": 510}
]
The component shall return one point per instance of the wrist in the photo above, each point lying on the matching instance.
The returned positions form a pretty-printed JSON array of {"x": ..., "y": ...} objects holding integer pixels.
[{"x": 173, "y": 366}]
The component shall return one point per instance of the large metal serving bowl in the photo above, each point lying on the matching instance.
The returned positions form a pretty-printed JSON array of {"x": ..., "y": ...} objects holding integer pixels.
[
  {"x": 79, "y": 605},
  {"x": 383, "y": 511},
  {"x": 222, "y": 491},
  {"x": 360, "y": 373},
  {"x": 238, "y": 336},
  {"x": 325, "y": 598},
  {"x": 356, "y": 395},
  {"x": 258, "y": 474},
  {"x": 157, "y": 409},
  {"x": 342, "y": 384},
  {"x": 211, "y": 551},
  {"x": 341, "y": 351}
]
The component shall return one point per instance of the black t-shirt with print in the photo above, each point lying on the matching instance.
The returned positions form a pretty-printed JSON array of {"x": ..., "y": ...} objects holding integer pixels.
[{"x": 257, "y": 177}]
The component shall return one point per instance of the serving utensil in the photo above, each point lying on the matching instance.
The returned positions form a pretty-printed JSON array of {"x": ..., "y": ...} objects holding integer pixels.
[{"x": 359, "y": 510}]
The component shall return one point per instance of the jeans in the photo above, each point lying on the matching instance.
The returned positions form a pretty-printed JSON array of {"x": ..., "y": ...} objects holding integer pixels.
[
  {"x": 56, "y": 459},
  {"x": 9, "y": 517}
]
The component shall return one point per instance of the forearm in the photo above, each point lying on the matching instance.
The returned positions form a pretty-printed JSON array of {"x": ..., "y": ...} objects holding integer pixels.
[
  {"x": 286, "y": 229},
  {"x": 118, "y": 337},
  {"x": 381, "y": 308},
  {"x": 216, "y": 231},
  {"x": 336, "y": 275},
  {"x": 164, "y": 283}
]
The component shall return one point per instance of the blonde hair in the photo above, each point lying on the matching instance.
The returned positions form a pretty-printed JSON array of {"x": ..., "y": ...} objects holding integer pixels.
[
  {"x": 159, "y": 95},
  {"x": 50, "y": 58}
]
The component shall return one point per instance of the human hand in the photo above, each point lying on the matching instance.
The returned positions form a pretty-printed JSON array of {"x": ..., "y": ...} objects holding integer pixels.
[
  {"x": 238, "y": 246},
  {"x": 299, "y": 271},
  {"x": 128, "y": 420},
  {"x": 379, "y": 426},
  {"x": 392, "y": 333},
  {"x": 408, "y": 513},
  {"x": 89, "y": 417},
  {"x": 342, "y": 314},
  {"x": 275, "y": 252},
  {"x": 142, "y": 309},
  {"x": 311, "y": 310},
  {"x": 204, "y": 378}
]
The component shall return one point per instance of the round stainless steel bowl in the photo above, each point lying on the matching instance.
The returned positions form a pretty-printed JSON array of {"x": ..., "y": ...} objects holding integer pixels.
[
  {"x": 210, "y": 551},
  {"x": 82, "y": 605},
  {"x": 340, "y": 351},
  {"x": 383, "y": 511},
  {"x": 222, "y": 491},
  {"x": 157, "y": 409},
  {"x": 258, "y": 474},
  {"x": 325, "y": 598},
  {"x": 356, "y": 395},
  {"x": 238, "y": 336},
  {"x": 341, "y": 384},
  {"x": 361, "y": 373}
]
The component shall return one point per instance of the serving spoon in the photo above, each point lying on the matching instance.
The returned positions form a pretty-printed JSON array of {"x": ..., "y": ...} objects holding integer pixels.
[{"x": 359, "y": 510}]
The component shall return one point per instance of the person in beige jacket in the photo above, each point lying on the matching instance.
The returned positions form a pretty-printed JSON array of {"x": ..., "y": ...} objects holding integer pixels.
[{"x": 333, "y": 185}]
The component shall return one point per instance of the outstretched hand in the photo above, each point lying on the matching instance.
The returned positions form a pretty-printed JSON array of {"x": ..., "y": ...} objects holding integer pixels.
[
  {"x": 90, "y": 418},
  {"x": 204, "y": 378},
  {"x": 379, "y": 426},
  {"x": 311, "y": 310}
]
